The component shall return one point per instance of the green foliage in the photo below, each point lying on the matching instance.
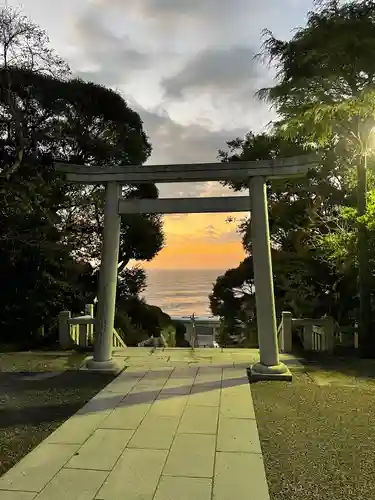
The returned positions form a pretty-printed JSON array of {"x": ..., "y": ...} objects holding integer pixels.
[
  {"x": 223, "y": 335},
  {"x": 150, "y": 318},
  {"x": 138, "y": 321},
  {"x": 130, "y": 333},
  {"x": 169, "y": 334},
  {"x": 51, "y": 232},
  {"x": 131, "y": 283},
  {"x": 180, "y": 334},
  {"x": 302, "y": 213},
  {"x": 233, "y": 297},
  {"x": 325, "y": 95},
  {"x": 339, "y": 245}
]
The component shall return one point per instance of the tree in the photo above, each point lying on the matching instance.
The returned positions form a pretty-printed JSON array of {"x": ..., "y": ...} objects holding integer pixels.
[
  {"x": 131, "y": 283},
  {"x": 233, "y": 298},
  {"x": 39, "y": 278},
  {"x": 24, "y": 46},
  {"x": 106, "y": 133},
  {"x": 300, "y": 211},
  {"x": 325, "y": 93},
  {"x": 180, "y": 334},
  {"x": 57, "y": 117}
]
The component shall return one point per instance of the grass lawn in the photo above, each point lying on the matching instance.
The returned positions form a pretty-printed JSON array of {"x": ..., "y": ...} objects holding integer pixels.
[
  {"x": 317, "y": 433},
  {"x": 38, "y": 392}
]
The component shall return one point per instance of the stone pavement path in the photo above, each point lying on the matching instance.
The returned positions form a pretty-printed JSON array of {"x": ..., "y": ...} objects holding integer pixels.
[{"x": 154, "y": 433}]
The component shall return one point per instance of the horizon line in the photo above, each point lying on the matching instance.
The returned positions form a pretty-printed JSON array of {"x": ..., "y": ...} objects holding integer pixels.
[{"x": 185, "y": 269}]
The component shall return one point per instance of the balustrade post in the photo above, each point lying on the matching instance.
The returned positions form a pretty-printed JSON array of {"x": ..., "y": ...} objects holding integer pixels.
[{"x": 65, "y": 340}]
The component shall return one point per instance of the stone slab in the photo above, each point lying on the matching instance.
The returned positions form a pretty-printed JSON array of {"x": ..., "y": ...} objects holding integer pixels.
[
  {"x": 184, "y": 372},
  {"x": 201, "y": 361},
  {"x": 78, "y": 428},
  {"x": 135, "y": 476},
  {"x": 156, "y": 433},
  {"x": 159, "y": 373},
  {"x": 238, "y": 435},
  {"x": 133, "y": 351},
  {"x": 150, "y": 389},
  {"x": 73, "y": 484},
  {"x": 169, "y": 406},
  {"x": 37, "y": 468},
  {"x": 126, "y": 416},
  {"x": 178, "y": 386},
  {"x": 237, "y": 407},
  {"x": 237, "y": 402},
  {"x": 209, "y": 397},
  {"x": 143, "y": 363},
  {"x": 206, "y": 378},
  {"x": 206, "y": 384},
  {"x": 240, "y": 475},
  {"x": 199, "y": 420},
  {"x": 103, "y": 402},
  {"x": 17, "y": 495},
  {"x": 191, "y": 455},
  {"x": 183, "y": 488},
  {"x": 125, "y": 382},
  {"x": 102, "y": 450},
  {"x": 235, "y": 376}
]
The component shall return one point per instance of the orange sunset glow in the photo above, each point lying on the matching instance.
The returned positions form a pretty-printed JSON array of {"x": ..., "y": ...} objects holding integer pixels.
[{"x": 199, "y": 241}]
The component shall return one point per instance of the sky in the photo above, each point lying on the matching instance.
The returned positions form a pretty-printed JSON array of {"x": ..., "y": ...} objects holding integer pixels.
[{"x": 187, "y": 67}]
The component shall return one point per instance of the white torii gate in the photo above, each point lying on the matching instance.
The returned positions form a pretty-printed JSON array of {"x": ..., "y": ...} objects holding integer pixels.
[{"x": 255, "y": 173}]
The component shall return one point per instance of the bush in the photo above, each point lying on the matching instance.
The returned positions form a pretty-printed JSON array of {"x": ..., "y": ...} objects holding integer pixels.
[
  {"x": 131, "y": 334},
  {"x": 223, "y": 337},
  {"x": 150, "y": 318},
  {"x": 169, "y": 334},
  {"x": 180, "y": 334}
]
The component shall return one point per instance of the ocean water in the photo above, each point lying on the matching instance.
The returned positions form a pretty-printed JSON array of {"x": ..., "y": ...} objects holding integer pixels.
[{"x": 181, "y": 292}]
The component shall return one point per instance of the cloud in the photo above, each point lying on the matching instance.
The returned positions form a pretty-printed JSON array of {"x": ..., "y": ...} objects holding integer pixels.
[
  {"x": 216, "y": 70},
  {"x": 190, "y": 25},
  {"x": 130, "y": 58},
  {"x": 164, "y": 11},
  {"x": 176, "y": 143},
  {"x": 212, "y": 188},
  {"x": 109, "y": 54},
  {"x": 210, "y": 232},
  {"x": 203, "y": 75},
  {"x": 219, "y": 233},
  {"x": 162, "y": 8}
]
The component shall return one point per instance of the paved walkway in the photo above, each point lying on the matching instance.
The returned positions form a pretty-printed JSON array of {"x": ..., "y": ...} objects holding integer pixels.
[{"x": 164, "y": 429}]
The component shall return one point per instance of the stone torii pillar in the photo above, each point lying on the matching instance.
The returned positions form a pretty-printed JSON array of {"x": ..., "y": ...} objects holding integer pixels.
[
  {"x": 102, "y": 359},
  {"x": 269, "y": 366}
]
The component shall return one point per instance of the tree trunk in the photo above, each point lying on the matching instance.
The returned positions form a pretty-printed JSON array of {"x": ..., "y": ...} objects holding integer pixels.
[
  {"x": 123, "y": 264},
  {"x": 367, "y": 347}
]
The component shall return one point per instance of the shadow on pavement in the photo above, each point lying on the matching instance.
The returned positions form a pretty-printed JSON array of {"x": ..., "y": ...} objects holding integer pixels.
[{"x": 37, "y": 414}]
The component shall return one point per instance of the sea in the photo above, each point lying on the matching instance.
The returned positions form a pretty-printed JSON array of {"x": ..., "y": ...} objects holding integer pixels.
[{"x": 181, "y": 292}]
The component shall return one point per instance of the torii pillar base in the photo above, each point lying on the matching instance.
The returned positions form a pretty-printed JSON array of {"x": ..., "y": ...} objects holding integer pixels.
[
  {"x": 111, "y": 366},
  {"x": 258, "y": 371}
]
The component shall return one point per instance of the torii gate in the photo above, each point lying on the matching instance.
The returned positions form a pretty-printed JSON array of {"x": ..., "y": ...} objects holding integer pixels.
[{"x": 254, "y": 172}]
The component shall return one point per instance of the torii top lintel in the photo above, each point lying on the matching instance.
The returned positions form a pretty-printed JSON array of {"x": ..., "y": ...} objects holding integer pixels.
[{"x": 296, "y": 166}]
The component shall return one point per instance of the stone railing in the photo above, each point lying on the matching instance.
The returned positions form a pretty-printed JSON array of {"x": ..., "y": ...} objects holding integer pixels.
[
  {"x": 318, "y": 334},
  {"x": 79, "y": 330}
]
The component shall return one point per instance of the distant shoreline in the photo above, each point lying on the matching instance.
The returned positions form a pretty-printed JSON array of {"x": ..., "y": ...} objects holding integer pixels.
[
  {"x": 186, "y": 270},
  {"x": 181, "y": 292}
]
